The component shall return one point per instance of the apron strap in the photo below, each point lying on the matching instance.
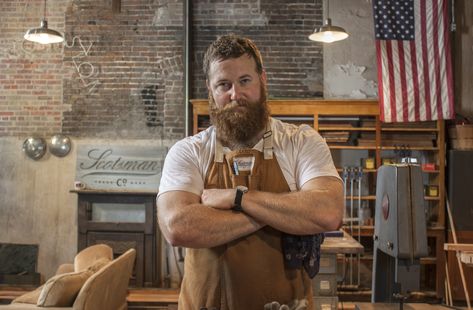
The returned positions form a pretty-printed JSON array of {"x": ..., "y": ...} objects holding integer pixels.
[
  {"x": 267, "y": 146},
  {"x": 218, "y": 158},
  {"x": 268, "y": 143}
]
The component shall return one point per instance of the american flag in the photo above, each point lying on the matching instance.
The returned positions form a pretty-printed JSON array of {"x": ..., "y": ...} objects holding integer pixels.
[{"x": 414, "y": 61}]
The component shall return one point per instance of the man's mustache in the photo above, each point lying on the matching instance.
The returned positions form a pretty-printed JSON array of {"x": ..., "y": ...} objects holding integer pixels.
[{"x": 235, "y": 103}]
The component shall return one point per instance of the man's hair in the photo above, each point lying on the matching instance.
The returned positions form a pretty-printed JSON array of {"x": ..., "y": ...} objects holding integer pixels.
[{"x": 231, "y": 46}]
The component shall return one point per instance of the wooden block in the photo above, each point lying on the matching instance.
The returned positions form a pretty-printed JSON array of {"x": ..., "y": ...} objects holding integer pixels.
[{"x": 393, "y": 306}]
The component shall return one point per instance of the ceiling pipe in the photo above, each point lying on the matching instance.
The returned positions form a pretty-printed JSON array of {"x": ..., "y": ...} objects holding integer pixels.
[{"x": 187, "y": 45}]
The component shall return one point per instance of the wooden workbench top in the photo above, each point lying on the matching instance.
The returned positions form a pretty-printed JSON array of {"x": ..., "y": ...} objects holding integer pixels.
[
  {"x": 407, "y": 306},
  {"x": 341, "y": 245}
]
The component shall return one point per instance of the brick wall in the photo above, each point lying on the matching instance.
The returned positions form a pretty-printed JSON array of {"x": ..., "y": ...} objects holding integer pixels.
[
  {"x": 120, "y": 73},
  {"x": 279, "y": 28},
  {"x": 125, "y": 73},
  {"x": 30, "y": 74}
]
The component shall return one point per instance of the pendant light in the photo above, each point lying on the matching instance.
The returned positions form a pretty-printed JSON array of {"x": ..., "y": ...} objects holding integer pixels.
[
  {"x": 43, "y": 34},
  {"x": 328, "y": 33}
]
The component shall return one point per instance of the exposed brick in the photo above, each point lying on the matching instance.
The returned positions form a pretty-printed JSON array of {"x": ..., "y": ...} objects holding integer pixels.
[{"x": 121, "y": 75}]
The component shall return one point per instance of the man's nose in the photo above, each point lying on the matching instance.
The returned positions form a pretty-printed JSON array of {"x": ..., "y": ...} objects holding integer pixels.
[{"x": 235, "y": 92}]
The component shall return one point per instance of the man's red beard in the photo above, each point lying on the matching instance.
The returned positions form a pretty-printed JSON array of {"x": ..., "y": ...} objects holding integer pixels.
[{"x": 239, "y": 122}]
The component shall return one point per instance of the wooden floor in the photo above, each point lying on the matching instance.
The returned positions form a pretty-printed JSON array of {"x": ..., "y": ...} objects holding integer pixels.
[
  {"x": 166, "y": 299},
  {"x": 144, "y": 299}
]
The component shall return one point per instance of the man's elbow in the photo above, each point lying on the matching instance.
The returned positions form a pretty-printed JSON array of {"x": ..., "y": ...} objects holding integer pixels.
[
  {"x": 334, "y": 218},
  {"x": 334, "y": 222},
  {"x": 172, "y": 232},
  {"x": 173, "y": 239},
  {"x": 178, "y": 238}
]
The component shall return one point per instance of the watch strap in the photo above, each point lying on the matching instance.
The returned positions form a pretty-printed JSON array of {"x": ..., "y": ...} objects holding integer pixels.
[{"x": 238, "y": 197}]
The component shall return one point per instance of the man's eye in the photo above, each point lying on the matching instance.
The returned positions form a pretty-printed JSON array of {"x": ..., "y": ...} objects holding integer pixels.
[
  {"x": 223, "y": 86},
  {"x": 245, "y": 81}
]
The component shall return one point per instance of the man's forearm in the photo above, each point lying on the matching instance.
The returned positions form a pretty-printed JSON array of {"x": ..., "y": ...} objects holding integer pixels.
[
  {"x": 299, "y": 213},
  {"x": 317, "y": 207},
  {"x": 195, "y": 225}
]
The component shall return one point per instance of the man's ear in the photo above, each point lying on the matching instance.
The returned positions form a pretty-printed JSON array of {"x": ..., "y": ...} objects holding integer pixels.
[{"x": 263, "y": 76}]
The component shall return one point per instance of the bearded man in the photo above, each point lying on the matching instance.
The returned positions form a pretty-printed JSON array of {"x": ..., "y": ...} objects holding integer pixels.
[{"x": 249, "y": 197}]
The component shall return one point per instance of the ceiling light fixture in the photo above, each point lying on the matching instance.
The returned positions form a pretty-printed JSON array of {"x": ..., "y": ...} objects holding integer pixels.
[
  {"x": 43, "y": 34},
  {"x": 328, "y": 33}
]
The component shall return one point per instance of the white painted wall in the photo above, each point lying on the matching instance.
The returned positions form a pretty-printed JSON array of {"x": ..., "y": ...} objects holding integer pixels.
[
  {"x": 350, "y": 65},
  {"x": 36, "y": 206}
]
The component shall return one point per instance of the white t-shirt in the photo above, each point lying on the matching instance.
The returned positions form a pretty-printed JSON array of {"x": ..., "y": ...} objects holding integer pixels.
[{"x": 301, "y": 153}]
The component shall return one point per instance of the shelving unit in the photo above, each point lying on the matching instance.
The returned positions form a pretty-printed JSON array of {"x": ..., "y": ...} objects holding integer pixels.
[{"x": 354, "y": 132}]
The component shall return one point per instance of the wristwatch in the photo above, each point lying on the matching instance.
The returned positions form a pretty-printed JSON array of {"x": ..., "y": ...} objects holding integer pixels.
[{"x": 240, "y": 190}]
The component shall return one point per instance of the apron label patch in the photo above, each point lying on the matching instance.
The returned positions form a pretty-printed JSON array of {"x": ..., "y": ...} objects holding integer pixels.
[{"x": 243, "y": 164}]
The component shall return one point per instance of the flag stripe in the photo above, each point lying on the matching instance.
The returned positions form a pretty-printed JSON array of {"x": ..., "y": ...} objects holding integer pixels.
[
  {"x": 415, "y": 80},
  {"x": 435, "y": 30},
  {"x": 402, "y": 73},
  {"x": 425, "y": 62},
  {"x": 420, "y": 62},
  {"x": 409, "y": 85},
  {"x": 392, "y": 86},
  {"x": 448, "y": 61}
]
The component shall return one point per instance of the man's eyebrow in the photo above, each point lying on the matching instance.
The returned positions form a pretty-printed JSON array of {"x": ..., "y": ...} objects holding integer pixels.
[
  {"x": 227, "y": 80},
  {"x": 221, "y": 80}
]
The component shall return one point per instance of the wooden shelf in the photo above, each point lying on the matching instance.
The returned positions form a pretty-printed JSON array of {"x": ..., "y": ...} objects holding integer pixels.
[
  {"x": 411, "y": 148},
  {"x": 321, "y": 128},
  {"x": 410, "y": 129},
  {"x": 373, "y": 197},
  {"x": 368, "y": 197},
  {"x": 368, "y": 230},
  {"x": 351, "y": 147},
  {"x": 423, "y": 260},
  {"x": 359, "y": 119},
  {"x": 376, "y": 170},
  {"x": 364, "y": 170}
]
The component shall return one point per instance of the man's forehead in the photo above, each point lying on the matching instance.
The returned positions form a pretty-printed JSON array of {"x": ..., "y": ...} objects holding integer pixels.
[{"x": 221, "y": 65}]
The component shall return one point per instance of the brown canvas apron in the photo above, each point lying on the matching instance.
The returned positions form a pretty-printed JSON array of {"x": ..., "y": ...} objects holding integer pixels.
[{"x": 248, "y": 272}]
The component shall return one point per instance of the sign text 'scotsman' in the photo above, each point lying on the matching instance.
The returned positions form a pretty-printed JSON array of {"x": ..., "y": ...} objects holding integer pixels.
[{"x": 104, "y": 161}]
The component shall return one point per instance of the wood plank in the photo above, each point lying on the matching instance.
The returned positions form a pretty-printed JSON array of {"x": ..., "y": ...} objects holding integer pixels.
[
  {"x": 458, "y": 247},
  {"x": 307, "y": 107},
  {"x": 155, "y": 296},
  {"x": 341, "y": 245},
  {"x": 395, "y": 306}
]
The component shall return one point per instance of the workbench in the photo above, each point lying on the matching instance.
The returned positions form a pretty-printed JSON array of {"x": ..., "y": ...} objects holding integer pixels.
[
  {"x": 407, "y": 306},
  {"x": 341, "y": 245},
  {"x": 324, "y": 285}
]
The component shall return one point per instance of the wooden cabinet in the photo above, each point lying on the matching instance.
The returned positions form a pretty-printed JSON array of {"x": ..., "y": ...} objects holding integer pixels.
[
  {"x": 356, "y": 136},
  {"x": 122, "y": 220}
]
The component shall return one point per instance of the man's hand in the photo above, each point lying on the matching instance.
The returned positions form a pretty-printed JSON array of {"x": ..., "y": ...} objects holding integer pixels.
[{"x": 219, "y": 198}]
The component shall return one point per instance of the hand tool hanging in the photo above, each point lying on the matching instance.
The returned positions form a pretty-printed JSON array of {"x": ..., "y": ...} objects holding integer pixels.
[
  {"x": 345, "y": 178},
  {"x": 345, "y": 184},
  {"x": 359, "y": 177},
  {"x": 352, "y": 175}
]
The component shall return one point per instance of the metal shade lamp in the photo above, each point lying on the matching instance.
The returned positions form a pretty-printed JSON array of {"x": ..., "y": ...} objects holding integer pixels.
[
  {"x": 328, "y": 33},
  {"x": 43, "y": 34}
]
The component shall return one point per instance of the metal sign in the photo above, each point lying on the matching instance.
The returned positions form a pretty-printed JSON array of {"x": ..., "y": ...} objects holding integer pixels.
[{"x": 110, "y": 167}]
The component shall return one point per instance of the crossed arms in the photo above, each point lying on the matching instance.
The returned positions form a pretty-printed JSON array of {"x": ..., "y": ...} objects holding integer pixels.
[{"x": 205, "y": 221}]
